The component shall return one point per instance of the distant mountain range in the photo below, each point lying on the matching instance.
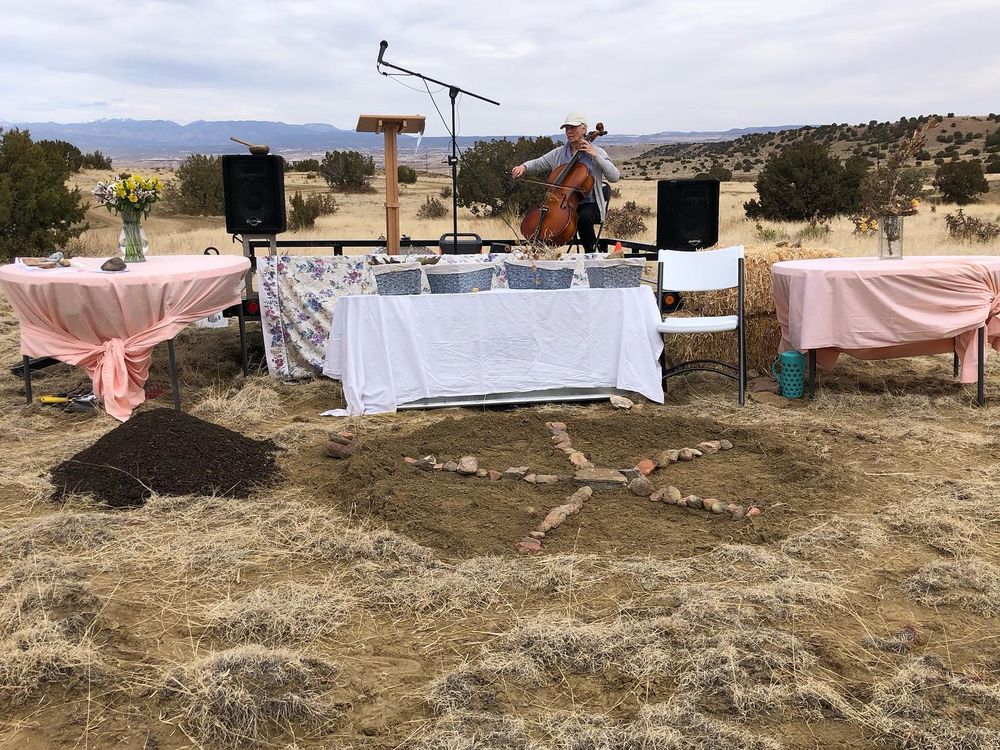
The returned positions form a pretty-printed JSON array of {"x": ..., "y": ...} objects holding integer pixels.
[{"x": 150, "y": 139}]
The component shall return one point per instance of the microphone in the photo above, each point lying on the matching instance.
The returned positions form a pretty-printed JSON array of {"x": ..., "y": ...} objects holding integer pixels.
[{"x": 381, "y": 51}]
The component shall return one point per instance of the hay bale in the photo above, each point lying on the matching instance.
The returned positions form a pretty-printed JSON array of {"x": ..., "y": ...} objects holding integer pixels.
[
  {"x": 757, "y": 282},
  {"x": 763, "y": 334}
]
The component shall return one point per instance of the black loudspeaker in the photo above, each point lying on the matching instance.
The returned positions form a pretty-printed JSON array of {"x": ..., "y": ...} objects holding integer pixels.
[
  {"x": 687, "y": 214},
  {"x": 254, "y": 187}
]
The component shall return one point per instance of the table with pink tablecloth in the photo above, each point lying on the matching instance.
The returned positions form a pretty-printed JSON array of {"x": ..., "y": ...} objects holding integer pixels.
[
  {"x": 108, "y": 323},
  {"x": 878, "y": 309}
]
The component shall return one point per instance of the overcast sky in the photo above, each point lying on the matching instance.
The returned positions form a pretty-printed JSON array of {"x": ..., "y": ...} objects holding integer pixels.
[{"x": 640, "y": 66}]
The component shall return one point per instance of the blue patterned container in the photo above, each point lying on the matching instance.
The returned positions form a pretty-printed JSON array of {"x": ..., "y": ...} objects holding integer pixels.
[
  {"x": 404, "y": 279},
  {"x": 558, "y": 275},
  {"x": 460, "y": 278},
  {"x": 614, "y": 274}
]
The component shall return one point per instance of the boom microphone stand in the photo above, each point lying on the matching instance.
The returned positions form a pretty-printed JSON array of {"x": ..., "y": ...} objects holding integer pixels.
[{"x": 453, "y": 92}]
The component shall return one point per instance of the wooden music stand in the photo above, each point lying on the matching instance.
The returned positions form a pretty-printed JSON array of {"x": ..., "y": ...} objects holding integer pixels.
[{"x": 390, "y": 126}]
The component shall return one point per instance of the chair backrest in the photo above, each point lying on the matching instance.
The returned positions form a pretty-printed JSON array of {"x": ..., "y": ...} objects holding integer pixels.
[
  {"x": 606, "y": 190},
  {"x": 686, "y": 271}
]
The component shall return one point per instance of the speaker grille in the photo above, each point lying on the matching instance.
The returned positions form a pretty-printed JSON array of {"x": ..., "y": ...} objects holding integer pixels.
[
  {"x": 254, "y": 189},
  {"x": 687, "y": 214}
]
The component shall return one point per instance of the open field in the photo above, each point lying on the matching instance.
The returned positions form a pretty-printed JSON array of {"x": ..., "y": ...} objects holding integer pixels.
[
  {"x": 363, "y": 217},
  {"x": 365, "y": 604}
]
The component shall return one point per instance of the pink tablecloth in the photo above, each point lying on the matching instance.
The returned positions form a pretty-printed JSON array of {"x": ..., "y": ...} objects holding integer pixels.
[
  {"x": 109, "y": 322},
  {"x": 874, "y": 309}
]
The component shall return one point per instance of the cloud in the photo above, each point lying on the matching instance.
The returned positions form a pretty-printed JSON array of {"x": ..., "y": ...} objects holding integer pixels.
[{"x": 639, "y": 65}]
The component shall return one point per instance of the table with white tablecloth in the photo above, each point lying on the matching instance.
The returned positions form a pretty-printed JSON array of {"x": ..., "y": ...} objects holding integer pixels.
[
  {"x": 390, "y": 351},
  {"x": 299, "y": 294}
]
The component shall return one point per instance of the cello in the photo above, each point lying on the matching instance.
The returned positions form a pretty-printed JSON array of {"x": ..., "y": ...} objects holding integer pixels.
[{"x": 554, "y": 221}]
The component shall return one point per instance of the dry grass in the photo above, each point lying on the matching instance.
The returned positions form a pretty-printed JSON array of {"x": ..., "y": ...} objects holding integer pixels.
[
  {"x": 923, "y": 704},
  {"x": 244, "y": 696},
  {"x": 972, "y": 584},
  {"x": 752, "y": 640},
  {"x": 281, "y": 614}
]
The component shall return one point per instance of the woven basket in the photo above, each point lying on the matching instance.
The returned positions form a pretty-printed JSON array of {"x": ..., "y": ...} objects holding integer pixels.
[
  {"x": 460, "y": 278},
  {"x": 543, "y": 274},
  {"x": 614, "y": 273},
  {"x": 397, "y": 278}
]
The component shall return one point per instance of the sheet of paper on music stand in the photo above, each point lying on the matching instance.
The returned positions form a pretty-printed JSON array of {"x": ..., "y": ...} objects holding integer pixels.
[{"x": 390, "y": 126}]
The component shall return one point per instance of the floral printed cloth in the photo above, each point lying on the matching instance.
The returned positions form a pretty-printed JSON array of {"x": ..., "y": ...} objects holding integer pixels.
[{"x": 299, "y": 293}]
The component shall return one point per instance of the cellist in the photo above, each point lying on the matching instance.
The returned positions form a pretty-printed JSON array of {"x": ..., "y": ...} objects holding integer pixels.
[{"x": 592, "y": 207}]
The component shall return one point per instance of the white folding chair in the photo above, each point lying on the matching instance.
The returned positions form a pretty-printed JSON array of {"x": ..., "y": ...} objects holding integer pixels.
[{"x": 686, "y": 271}]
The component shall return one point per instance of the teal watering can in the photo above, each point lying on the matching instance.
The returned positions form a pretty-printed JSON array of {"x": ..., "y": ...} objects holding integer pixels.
[{"x": 792, "y": 373}]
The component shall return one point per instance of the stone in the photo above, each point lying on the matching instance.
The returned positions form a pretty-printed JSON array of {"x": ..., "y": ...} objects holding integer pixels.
[
  {"x": 682, "y": 503},
  {"x": 641, "y": 487},
  {"x": 529, "y": 546},
  {"x": 344, "y": 438},
  {"x": 671, "y": 495},
  {"x": 600, "y": 479},
  {"x": 427, "y": 463},
  {"x": 620, "y": 402},
  {"x": 113, "y": 264},
  {"x": 725, "y": 445},
  {"x": 696, "y": 453},
  {"x": 546, "y": 478},
  {"x": 685, "y": 454},
  {"x": 468, "y": 465},
  {"x": 438, "y": 467},
  {"x": 645, "y": 467},
  {"x": 481, "y": 473},
  {"x": 564, "y": 445},
  {"x": 709, "y": 447},
  {"x": 338, "y": 450},
  {"x": 580, "y": 461},
  {"x": 450, "y": 466},
  {"x": 657, "y": 496},
  {"x": 557, "y": 515},
  {"x": 556, "y": 426},
  {"x": 529, "y": 478},
  {"x": 536, "y": 534},
  {"x": 494, "y": 475},
  {"x": 737, "y": 512},
  {"x": 717, "y": 506},
  {"x": 754, "y": 511},
  {"x": 665, "y": 458},
  {"x": 771, "y": 399},
  {"x": 693, "y": 501},
  {"x": 630, "y": 474},
  {"x": 409, "y": 460},
  {"x": 764, "y": 385},
  {"x": 582, "y": 495},
  {"x": 559, "y": 437},
  {"x": 515, "y": 472}
]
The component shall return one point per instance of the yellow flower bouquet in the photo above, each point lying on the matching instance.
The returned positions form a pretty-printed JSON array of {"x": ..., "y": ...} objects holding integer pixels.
[{"x": 131, "y": 196}]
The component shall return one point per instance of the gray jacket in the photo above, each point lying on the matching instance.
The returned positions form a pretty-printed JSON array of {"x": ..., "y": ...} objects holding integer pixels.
[{"x": 601, "y": 168}]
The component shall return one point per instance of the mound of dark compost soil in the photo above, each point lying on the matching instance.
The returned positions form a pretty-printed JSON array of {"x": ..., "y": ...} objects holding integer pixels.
[{"x": 170, "y": 453}]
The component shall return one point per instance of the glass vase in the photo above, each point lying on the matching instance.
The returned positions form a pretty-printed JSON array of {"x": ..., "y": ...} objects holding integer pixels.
[
  {"x": 132, "y": 241},
  {"x": 890, "y": 237}
]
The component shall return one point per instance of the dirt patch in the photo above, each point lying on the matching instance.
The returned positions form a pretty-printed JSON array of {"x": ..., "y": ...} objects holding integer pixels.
[
  {"x": 465, "y": 516},
  {"x": 166, "y": 452}
]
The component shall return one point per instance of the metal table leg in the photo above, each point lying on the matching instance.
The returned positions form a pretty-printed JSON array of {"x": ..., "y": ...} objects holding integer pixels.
[
  {"x": 812, "y": 374},
  {"x": 243, "y": 341},
  {"x": 980, "y": 394},
  {"x": 26, "y": 374},
  {"x": 173, "y": 374}
]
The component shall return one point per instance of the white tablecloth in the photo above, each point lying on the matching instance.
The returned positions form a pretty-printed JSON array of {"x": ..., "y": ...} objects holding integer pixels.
[
  {"x": 298, "y": 299},
  {"x": 389, "y": 351}
]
